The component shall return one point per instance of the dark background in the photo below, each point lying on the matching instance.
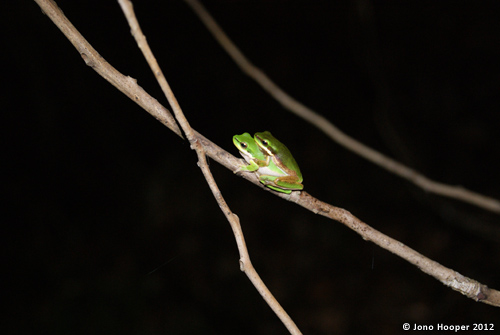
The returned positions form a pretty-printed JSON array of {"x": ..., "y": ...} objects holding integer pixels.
[{"x": 108, "y": 226}]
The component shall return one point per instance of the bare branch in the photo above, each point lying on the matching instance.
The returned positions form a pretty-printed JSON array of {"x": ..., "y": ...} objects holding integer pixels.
[
  {"x": 245, "y": 263},
  {"x": 92, "y": 58},
  {"x": 468, "y": 287}
]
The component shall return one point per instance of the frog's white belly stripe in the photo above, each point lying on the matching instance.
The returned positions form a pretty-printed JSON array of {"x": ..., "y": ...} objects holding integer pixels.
[{"x": 265, "y": 171}]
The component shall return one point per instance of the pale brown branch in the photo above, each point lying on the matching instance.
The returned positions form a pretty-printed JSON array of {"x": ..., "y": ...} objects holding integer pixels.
[
  {"x": 467, "y": 286},
  {"x": 92, "y": 58},
  {"x": 245, "y": 263},
  {"x": 427, "y": 184}
]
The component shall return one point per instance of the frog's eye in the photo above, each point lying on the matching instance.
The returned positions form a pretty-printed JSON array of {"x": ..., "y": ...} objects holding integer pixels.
[
  {"x": 244, "y": 145},
  {"x": 264, "y": 142}
]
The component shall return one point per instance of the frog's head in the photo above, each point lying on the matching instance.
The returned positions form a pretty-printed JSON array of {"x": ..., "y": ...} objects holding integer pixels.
[{"x": 247, "y": 147}]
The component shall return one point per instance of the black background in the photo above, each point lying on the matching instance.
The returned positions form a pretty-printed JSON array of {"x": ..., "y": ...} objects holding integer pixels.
[{"x": 109, "y": 226}]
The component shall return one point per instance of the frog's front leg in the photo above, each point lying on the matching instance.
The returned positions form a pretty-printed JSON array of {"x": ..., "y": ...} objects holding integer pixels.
[
  {"x": 247, "y": 168},
  {"x": 254, "y": 165}
]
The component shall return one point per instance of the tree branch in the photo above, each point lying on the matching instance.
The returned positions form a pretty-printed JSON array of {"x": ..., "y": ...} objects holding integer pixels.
[{"x": 245, "y": 263}]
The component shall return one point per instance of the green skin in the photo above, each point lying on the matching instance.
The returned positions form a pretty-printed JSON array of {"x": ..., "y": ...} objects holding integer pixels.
[{"x": 271, "y": 160}]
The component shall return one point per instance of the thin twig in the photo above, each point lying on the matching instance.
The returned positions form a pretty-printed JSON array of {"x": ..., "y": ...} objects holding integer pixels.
[
  {"x": 429, "y": 185},
  {"x": 245, "y": 263},
  {"x": 125, "y": 84},
  {"x": 467, "y": 286}
]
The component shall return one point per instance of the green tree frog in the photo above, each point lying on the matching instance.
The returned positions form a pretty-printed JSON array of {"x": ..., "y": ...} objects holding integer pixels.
[{"x": 271, "y": 160}]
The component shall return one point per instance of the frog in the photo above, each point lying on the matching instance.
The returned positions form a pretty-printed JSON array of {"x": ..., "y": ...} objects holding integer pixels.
[{"x": 270, "y": 160}]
